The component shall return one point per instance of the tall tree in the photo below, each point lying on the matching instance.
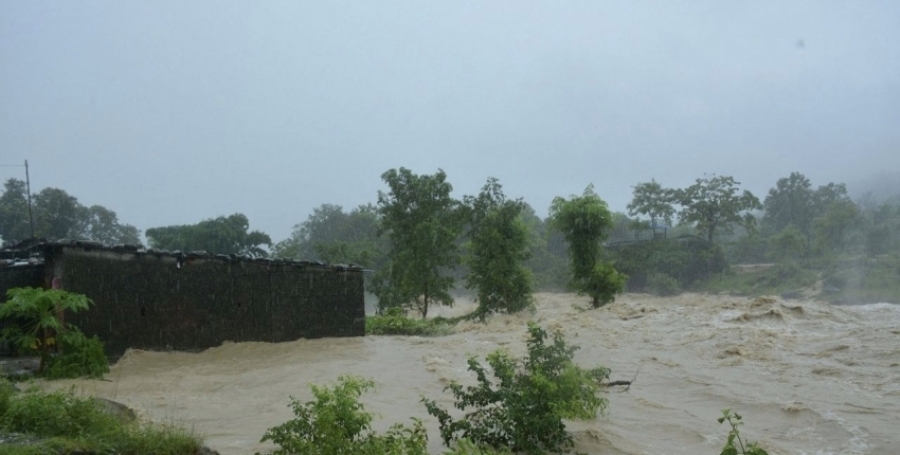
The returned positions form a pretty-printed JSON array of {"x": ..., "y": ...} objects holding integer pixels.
[
  {"x": 653, "y": 201},
  {"x": 713, "y": 204},
  {"x": 222, "y": 235},
  {"x": 332, "y": 235},
  {"x": 103, "y": 226},
  {"x": 422, "y": 222},
  {"x": 59, "y": 215},
  {"x": 585, "y": 221},
  {"x": 790, "y": 203},
  {"x": 14, "y": 223},
  {"x": 498, "y": 243}
]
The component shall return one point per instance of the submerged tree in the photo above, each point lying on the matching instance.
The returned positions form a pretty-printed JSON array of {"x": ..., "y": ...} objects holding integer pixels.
[
  {"x": 498, "y": 240},
  {"x": 422, "y": 222},
  {"x": 585, "y": 221}
]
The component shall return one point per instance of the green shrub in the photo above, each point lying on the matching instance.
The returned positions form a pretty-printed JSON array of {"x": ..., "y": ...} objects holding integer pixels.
[
  {"x": 64, "y": 423},
  {"x": 81, "y": 356},
  {"x": 524, "y": 406},
  {"x": 335, "y": 423},
  {"x": 36, "y": 324},
  {"x": 734, "y": 436},
  {"x": 395, "y": 322}
]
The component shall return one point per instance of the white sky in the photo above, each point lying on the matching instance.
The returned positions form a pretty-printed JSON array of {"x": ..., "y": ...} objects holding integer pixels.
[{"x": 173, "y": 112}]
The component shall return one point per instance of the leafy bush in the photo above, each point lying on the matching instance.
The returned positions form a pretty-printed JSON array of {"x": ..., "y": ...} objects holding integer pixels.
[
  {"x": 335, "y": 423},
  {"x": 64, "y": 423},
  {"x": 35, "y": 312},
  {"x": 524, "y": 406},
  {"x": 395, "y": 322},
  {"x": 81, "y": 356},
  {"x": 734, "y": 420}
]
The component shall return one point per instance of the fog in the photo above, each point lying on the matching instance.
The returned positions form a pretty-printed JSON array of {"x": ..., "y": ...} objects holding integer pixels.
[{"x": 169, "y": 113}]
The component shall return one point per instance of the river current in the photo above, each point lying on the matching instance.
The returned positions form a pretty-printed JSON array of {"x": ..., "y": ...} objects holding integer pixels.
[{"x": 808, "y": 377}]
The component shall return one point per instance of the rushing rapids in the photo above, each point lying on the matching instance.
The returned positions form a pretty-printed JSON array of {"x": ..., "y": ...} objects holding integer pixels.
[{"x": 809, "y": 378}]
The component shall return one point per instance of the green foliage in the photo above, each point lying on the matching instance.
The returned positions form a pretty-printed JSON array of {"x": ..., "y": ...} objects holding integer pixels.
[
  {"x": 14, "y": 223},
  {"x": 58, "y": 215},
  {"x": 34, "y": 311},
  {"x": 777, "y": 279},
  {"x": 69, "y": 424},
  {"x": 222, "y": 235},
  {"x": 652, "y": 200},
  {"x": 713, "y": 204},
  {"x": 523, "y": 407},
  {"x": 335, "y": 423},
  {"x": 80, "y": 356},
  {"x": 735, "y": 445},
  {"x": 331, "y": 235},
  {"x": 499, "y": 246},
  {"x": 422, "y": 222},
  {"x": 585, "y": 221},
  {"x": 393, "y": 321}
]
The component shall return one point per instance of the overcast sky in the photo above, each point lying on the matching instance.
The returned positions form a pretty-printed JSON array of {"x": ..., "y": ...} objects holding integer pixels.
[{"x": 174, "y": 112}]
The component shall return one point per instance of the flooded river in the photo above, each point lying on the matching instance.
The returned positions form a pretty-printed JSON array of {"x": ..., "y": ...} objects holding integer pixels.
[{"x": 808, "y": 377}]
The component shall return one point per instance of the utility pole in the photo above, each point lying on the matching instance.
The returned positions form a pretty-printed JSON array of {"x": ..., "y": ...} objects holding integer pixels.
[{"x": 28, "y": 188}]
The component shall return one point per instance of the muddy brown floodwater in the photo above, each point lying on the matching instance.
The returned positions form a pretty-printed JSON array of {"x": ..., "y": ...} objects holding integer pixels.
[{"x": 809, "y": 378}]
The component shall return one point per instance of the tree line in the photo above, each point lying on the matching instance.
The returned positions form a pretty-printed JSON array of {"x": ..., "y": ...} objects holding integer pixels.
[{"x": 422, "y": 243}]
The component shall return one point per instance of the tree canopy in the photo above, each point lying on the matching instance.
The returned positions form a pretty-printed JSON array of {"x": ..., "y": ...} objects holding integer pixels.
[
  {"x": 585, "y": 221},
  {"x": 653, "y": 201},
  {"x": 332, "y": 235},
  {"x": 498, "y": 244},
  {"x": 222, "y": 235},
  {"x": 713, "y": 204},
  {"x": 422, "y": 222},
  {"x": 59, "y": 215}
]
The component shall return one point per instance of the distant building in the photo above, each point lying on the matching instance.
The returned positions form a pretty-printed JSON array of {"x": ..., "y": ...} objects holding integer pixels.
[{"x": 151, "y": 299}]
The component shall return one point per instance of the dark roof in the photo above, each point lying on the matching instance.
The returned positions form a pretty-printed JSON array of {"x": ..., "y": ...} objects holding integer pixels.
[{"x": 33, "y": 251}]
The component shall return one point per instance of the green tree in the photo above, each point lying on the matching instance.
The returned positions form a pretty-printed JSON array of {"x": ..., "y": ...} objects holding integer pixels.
[
  {"x": 523, "y": 407},
  {"x": 59, "y": 215},
  {"x": 36, "y": 313},
  {"x": 332, "y": 235},
  {"x": 14, "y": 223},
  {"x": 422, "y": 222},
  {"x": 837, "y": 225},
  {"x": 713, "y": 204},
  {"x": 222, "y": 235},
  {"x": 585, "y": 222},
  {"x": 103, "y": 226},
  {"x": 790, "y": 203},
  {"x": 498, "y": 241},
  {"x": 653, "y": 201}
]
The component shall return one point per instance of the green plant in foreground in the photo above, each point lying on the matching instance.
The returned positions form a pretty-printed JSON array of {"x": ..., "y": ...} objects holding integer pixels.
[
  {"x": 523, "y": 407},
  {"x": 60, "y": 422},
  {"x": 734, "y": 420},
  {"x": 80, "y": 356},
  {"x": 37, "y": 310},
  {"x": 335, "y": 423}
]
